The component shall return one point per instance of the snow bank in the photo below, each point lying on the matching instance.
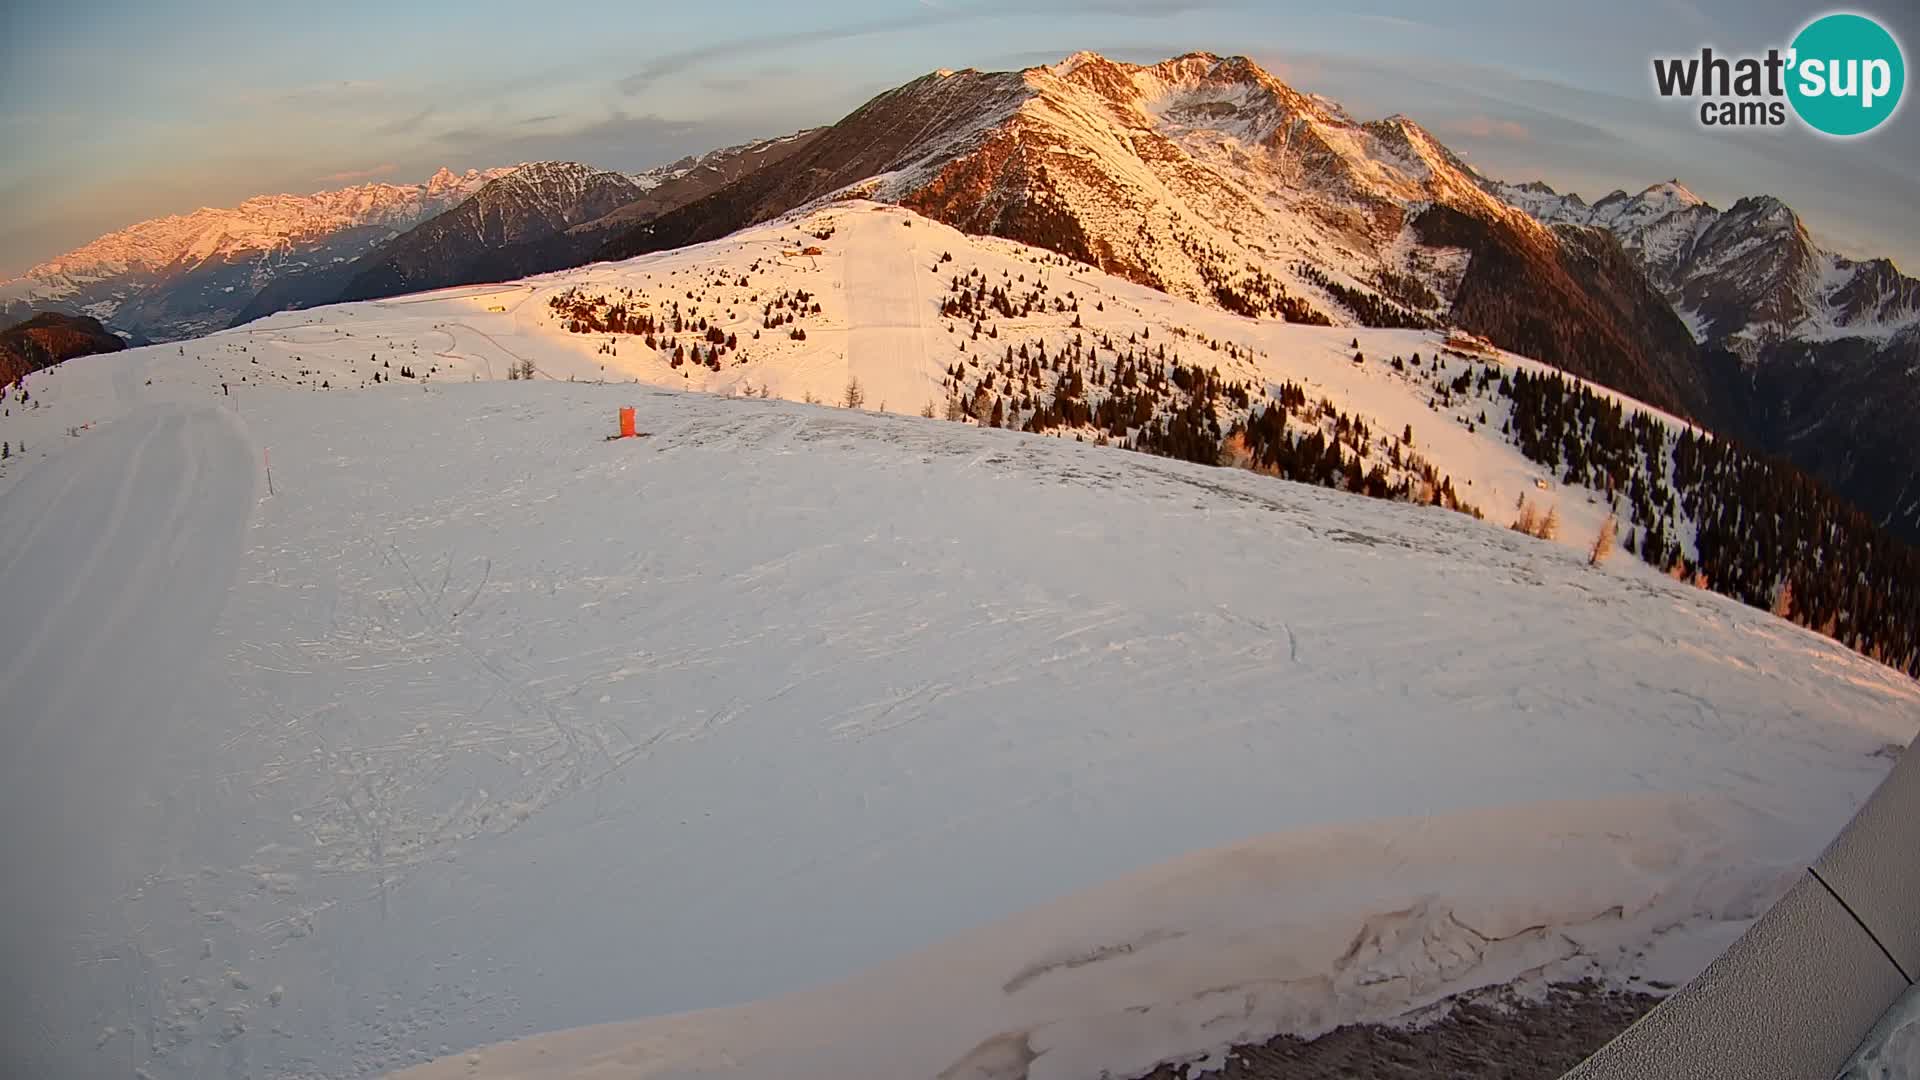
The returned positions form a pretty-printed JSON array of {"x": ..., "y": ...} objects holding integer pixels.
[
  {"x": 1891, "y": 1051},
  {"x": 1297, "y": 932}
]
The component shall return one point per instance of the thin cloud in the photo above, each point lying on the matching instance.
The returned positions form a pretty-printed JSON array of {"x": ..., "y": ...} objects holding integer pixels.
[
  {"x": 1689, "y": 13},
  {"x": 1395, "y": 21},
  {"x": 619, "y": 140},
  {"x": 405, "y": 125},
  {"x": 924, "y": 16},
  {"x": 736, "y": 83},
  {"x": 342, "y": 92},
  {"x": 1486, "y": 127},
  {"x": 354, "y": 176}
]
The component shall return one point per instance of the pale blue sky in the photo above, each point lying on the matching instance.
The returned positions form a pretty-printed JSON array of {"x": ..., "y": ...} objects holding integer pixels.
[{"x": 115, "y": 111}]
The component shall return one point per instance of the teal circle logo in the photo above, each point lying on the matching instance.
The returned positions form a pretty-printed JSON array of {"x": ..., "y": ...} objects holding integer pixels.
[{"x": 1847, "y": 74}]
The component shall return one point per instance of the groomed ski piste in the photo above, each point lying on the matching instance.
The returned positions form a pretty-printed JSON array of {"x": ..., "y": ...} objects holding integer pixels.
[{"x": 792, "y": 740}]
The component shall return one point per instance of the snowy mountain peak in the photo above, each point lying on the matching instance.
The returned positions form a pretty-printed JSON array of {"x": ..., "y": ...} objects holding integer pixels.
[
  {"x": 1671, "y": 193},
  {"x": 1066, "y": 68},
  {"x": 1743, "y": 277},
  {"x": 442, "y": 180},
  {"x": 556, "y": 181},
  {"x": 1770, "y": 211}
]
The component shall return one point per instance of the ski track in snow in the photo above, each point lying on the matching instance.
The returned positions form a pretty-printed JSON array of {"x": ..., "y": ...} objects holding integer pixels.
[
  {"x": 143, "y": 523},
  {"x": 882, "y": 283},
  {"x": 481, "y": 726}
]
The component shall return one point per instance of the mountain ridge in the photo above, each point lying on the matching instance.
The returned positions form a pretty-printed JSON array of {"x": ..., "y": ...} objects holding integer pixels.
[
  {"x": 1814, "y": 355},
  {"x": 535, "y": 200},
  {"x": 180, "y": 275},
  {"x": 552, "y": 218},
  {"x": 1743, "y": 277},
  {"x": 50, "y": 338},
  {"x": 1207, "y": 178}
]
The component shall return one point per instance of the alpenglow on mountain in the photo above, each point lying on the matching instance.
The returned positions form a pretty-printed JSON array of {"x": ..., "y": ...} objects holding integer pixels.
[
  {"x": 1208, "y": 178},
  {"x": 543, "y": 216},
  {"x": 189, "y": 274}
]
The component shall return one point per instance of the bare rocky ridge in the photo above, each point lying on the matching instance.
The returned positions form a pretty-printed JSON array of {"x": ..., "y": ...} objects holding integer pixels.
[
  {"x": 677, "y": 183},
  {"x": 934, "y": 115},
  {"x": 659, "y": 190}
]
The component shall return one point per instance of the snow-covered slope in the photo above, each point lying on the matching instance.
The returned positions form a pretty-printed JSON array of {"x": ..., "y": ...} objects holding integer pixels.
[
  {"x": 186, "y": 274},
  {"x": 864, "y": 292},
  {"x": 1298, "y": 931},
  {"x": 476, "y": 725}
]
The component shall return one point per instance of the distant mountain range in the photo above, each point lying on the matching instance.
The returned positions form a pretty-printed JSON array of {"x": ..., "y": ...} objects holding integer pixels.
[
  {"x": 1814, "y": 356},
  {"x": 1202, "y": 176},
  {"x": 532, "y": 202},
  {"x": 539, "y": 217},
  {"x": 189, "y": 274},
  {"x": 1745, "y": 277}
]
